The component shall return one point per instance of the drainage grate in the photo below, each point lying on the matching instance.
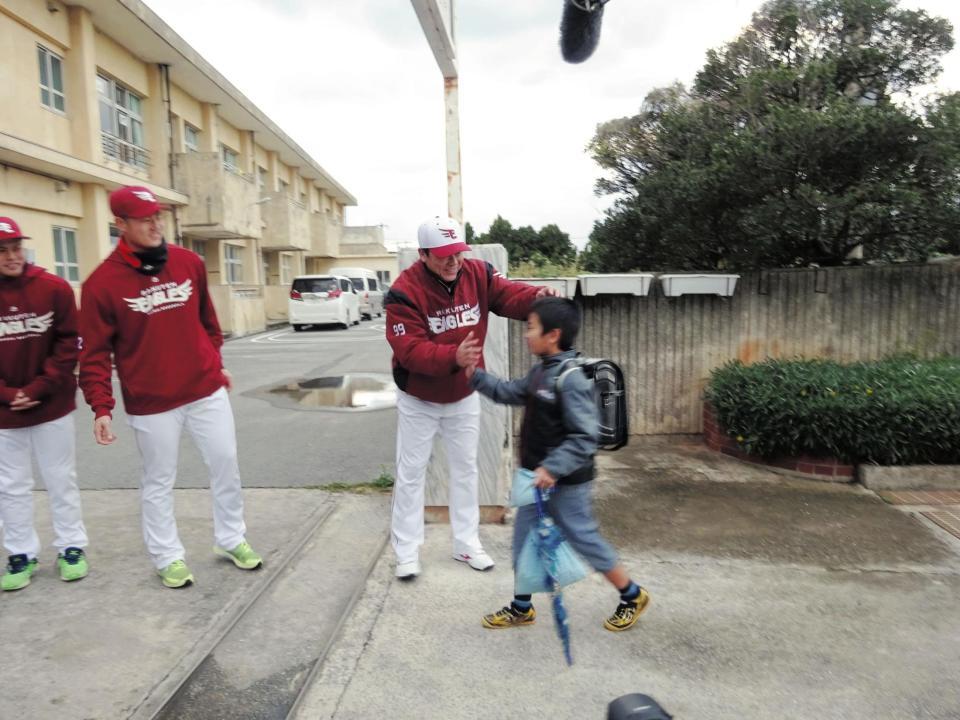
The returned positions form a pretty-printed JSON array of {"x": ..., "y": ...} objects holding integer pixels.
[
  {"x": 949, "y": 520},
  {"x": 921, "y": 497}
]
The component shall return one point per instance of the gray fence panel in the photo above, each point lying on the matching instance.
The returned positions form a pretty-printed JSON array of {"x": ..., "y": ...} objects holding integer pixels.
[{"x": 667, "y": 347}]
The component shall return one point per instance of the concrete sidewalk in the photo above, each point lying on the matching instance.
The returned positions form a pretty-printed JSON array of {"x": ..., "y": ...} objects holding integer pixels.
[
  {"x": 772, "y": 598},
  {"x": 113, "y": 644}
]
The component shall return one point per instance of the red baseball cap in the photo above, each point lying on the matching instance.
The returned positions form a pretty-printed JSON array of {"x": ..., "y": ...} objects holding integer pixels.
[
  {"x": 10, "y": 231},
  {"x": 442, "y": 236},
  {"x": 134, "y": 201}
]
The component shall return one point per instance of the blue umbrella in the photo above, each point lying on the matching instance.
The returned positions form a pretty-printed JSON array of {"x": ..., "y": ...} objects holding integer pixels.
[{"x": 549, "y": 542}]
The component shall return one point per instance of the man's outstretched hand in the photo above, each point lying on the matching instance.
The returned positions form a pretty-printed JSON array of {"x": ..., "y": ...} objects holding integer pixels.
[{"x": 468, "y": 352}]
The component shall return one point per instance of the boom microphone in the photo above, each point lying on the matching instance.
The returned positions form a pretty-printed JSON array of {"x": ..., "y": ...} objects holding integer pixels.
[{"x": 580, "y": 28}]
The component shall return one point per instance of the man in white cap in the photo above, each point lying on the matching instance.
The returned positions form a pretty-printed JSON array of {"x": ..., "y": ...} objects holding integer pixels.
[
  {"x": 148, "y": 307},
  {"x": 436, "y": 323},
  {"x": 38, "y": 354}
]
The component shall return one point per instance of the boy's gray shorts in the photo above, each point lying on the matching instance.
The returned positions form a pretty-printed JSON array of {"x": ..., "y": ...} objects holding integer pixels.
[{"x": 571, "y": 507}]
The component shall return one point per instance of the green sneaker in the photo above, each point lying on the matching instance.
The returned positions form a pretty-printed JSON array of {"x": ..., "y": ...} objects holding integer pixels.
[
  {"x": 19, "y": 571},
  {"x": 243, "y": 556},
  {"x": 73, "y": 564},
  {"x": 176, "y": 574}
]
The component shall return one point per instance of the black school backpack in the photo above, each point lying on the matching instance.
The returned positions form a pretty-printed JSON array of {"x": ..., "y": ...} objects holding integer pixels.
[{"x": 610, "y": 393}]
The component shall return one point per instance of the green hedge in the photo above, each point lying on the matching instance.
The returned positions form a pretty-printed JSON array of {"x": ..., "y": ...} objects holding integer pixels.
[{"x": 899, "y": 411}]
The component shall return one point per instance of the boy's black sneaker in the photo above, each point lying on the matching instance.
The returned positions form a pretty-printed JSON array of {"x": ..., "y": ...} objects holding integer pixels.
[
  {"x": 627, "y": 613},
  {"x": 509, "y": 616}
]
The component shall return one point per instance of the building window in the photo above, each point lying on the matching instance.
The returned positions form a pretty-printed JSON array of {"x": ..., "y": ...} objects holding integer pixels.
[
  {"x": 284, "y": 269},
  {"x": 114, "y": 235},
  {"x": 65, "y": 254},
  {"x": 191, "y": 138},
  {"x": 121, "y": 123},
  {"x": 231, "y": 159},
  {"x": 283, "y": 188},
  {"x": 384, "y": 277},
  {"x": 51, "y": 79},
  {"x": 200, "y": 248},
  {"x": 261, "y": 178},
  {"x": 234, "y": 262}
]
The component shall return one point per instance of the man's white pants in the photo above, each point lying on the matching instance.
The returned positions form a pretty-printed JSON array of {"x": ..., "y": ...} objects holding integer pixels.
[
  {"x": 418, "y": 422},
  {"x": 210, "y": 422},
  {"x": 53, "y": 444}
]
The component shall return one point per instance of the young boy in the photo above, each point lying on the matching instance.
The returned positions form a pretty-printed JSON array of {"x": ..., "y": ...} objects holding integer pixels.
[{"x": 557, "y": 442}]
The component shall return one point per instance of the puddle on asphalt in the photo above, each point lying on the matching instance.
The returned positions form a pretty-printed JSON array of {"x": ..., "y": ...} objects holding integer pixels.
[{"x": 357, "y": 391}]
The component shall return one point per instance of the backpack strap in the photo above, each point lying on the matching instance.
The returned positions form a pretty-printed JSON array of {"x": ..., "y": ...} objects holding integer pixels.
[{"x": 564, "y": 371}]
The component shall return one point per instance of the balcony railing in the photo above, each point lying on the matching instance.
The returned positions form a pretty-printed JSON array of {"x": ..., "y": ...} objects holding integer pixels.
[{"x": 116, "y": 149}]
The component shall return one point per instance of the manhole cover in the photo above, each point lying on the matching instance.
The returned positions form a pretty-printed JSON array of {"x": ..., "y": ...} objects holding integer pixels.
[{"x": 358, "y": 391}]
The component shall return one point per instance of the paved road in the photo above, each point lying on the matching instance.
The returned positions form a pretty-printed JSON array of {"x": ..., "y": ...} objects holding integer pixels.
[{"x": 279, "y": 446}]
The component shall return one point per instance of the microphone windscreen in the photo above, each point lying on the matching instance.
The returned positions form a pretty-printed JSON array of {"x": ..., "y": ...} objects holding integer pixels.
[{"x": 579, "y": 31}]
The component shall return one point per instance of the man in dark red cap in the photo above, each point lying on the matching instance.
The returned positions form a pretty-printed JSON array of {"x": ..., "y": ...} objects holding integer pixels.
[
  {"x": 38, "y": 354},
  {"x": 437, "y": 312},
  {"x": 147, "y": 304}
]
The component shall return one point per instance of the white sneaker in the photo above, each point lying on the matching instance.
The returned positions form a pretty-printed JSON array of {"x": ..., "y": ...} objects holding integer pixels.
[
  {"x": 478, "y": 560},
  {"x": 408, "y": 570}
]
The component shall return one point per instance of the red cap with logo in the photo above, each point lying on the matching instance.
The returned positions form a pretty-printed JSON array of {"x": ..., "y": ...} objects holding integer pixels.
[
  {"x": 10, "y": 231},
  {"x": 133, "y": 201}
]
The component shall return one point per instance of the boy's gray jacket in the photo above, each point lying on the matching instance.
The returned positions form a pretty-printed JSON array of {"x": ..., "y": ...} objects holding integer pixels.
[{"x": 573, "y": 445}]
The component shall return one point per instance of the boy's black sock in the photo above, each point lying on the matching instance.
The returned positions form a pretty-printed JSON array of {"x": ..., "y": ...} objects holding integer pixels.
[
  {"x": 522, "y": 603},
  {"x": 629, "y": 593}
]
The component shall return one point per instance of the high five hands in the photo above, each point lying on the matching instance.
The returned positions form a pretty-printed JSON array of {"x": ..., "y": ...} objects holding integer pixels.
[{"x": 468, "y": 353}]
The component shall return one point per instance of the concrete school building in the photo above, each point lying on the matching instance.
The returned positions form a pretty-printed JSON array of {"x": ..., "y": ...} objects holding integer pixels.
[{"x": 102, "y": 93}]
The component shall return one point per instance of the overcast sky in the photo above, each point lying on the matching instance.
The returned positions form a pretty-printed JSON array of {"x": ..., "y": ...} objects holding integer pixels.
[{"x": 355, "y": 84}]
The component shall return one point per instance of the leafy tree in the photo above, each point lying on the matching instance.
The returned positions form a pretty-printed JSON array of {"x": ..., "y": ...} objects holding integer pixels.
[
  {"x": 555, "y": 245},
  {"x": 525, "y": 245},
  {"x": 468, "y": 230},
  {"x": 789, "y": 149},
  {"x": 500, "y": 232}
]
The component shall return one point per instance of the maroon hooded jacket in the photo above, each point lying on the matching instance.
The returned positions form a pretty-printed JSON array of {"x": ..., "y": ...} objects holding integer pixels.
[
  {"x": 428, "y": 318},
  {"x": 38, "y": 347},
  {"x": 162, "y": 330}
]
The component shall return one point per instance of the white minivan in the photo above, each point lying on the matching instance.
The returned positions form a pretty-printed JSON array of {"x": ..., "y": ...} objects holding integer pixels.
[
  {"x": 323, "y": 299},
  {"x": 369, "y": 288}
]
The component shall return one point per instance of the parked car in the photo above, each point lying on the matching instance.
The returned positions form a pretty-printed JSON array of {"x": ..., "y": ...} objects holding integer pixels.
[
  {"x": 322, "y": 299},
  {"x": 368, "y": 286}
]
